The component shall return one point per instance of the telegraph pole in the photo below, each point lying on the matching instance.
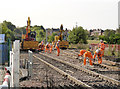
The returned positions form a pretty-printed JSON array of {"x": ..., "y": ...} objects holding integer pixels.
[{"x": 76, "y": 25}]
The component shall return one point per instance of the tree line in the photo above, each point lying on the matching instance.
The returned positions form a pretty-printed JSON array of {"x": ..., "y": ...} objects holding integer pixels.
[
  {"x": 76, "y": 35},
  {"x": 15, "y": 33}
]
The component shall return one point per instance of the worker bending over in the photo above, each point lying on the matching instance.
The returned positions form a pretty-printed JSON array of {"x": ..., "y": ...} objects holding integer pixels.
[
  {"x": 47, "y": 47},
  {"x": 89, "y": 55},
  {"x": 42, "y": 45},
  {"x": 81, "y": 53},
  {"x": 99, "y": 52},
  {"x": 58, "y": 48}
]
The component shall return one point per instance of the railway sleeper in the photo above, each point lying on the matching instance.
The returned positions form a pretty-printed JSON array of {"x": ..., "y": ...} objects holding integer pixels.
[{"x": 86, "y": 70}]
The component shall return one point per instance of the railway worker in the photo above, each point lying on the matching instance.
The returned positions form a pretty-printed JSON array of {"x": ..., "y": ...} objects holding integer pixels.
[
  {"x": 89, "y": 55},
  {"x": 47, "y": 47},
  {"x": 42, "y": 45},
  {"x": 58, "y": 48},
  {"x": 101, "y": 45},
  {"x": 39, "y": 45},
  {"x": 81, "y": 53},
  {"x": 50, "y": 47},
  {"x": 99, "y": 52}
]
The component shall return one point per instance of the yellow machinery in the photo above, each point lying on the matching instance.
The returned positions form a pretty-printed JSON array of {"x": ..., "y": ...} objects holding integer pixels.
[
  {"x": 63, "y": 43},
  {"x": 29, "y": 39}
]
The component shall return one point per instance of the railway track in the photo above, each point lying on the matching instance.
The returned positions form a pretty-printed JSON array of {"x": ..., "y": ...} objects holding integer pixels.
[
  {"x": 105, "y": 64},
  {"x": 113, "y": 73},
  {"x": 105, "y": 58},
  {"x": 90, "y": 78},
  {"x": 45, "y": 77}
]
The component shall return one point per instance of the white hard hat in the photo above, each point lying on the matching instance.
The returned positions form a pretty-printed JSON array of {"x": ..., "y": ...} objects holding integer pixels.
[
  {"x": 101, "y": 40},
  {"x": 47, "y": 43},
  {"x": 97, "y": 51}
]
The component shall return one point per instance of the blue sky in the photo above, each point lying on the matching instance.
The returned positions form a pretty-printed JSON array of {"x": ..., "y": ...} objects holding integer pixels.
[{"x": 89, "y": 14}]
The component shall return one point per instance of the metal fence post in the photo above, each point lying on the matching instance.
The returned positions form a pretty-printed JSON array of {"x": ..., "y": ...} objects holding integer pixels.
[
  {"x": 30, "y": 63},
  {"x": 9, "y": 49},
  {"x": 11, "y": 58}
]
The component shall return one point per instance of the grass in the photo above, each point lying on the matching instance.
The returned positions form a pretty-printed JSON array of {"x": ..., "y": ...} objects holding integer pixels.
[
  {"x": 108, "y": 50},
  {"x": 93, "y": 41}
]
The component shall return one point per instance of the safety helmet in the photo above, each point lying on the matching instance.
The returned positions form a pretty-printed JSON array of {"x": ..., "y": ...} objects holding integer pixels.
[
  {"x": 101, "y": 40},
  {"x": 58, "y": 40},
  {"x": 47, "y": 43},
  {"x": 97, "y": 51}
]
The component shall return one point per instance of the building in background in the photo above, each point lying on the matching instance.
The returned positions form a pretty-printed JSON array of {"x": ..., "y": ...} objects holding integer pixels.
[
  {"x": 97, "y": 32},
  {"x": 119, "y": 14}
]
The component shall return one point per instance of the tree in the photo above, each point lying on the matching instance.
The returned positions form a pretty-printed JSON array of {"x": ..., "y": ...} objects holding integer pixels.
[
  {"x": 9, "y": 25},
  {"x": 77, "y": 35},
  {"x": 101, "y": 37},
  {"x": 107, "y": 35},
  {"x": 40, "y": 35},
  {"x": 118, "y": 31},
  {"x": 52, "y": 37}
]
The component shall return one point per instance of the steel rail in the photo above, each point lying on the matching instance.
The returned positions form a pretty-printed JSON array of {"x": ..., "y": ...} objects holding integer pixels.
[
  {"x": 85, "y": 70},
  {"x": 65, "y": 74}
]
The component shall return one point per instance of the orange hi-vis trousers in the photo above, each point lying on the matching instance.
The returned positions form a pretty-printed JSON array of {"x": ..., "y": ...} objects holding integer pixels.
[
  {"x": 58, "y": 51},
  {"x": 81, "y": 52},
  {"x": 46, "y": 49},
  {"x": 89, "y": 55},
  {"x": 50, "y": 49}
]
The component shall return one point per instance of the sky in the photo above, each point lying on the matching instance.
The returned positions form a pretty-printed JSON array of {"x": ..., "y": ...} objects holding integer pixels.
[{"x": 90, "y": 14}]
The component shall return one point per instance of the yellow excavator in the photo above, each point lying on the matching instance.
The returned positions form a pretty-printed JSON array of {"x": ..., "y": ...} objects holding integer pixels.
[
  {"x": 62, "y": 43},
  {"x": 29, "y": 39}
]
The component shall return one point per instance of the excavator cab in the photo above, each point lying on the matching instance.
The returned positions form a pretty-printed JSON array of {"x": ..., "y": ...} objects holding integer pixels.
[
  {"x": 62, "y": 43},
  {"x": 29, "y": 40}
]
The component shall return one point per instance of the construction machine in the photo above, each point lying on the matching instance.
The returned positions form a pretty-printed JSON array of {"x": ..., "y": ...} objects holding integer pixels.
[
  {"x": 63, "y": 42},
  {"x": 29, "y": 39}
]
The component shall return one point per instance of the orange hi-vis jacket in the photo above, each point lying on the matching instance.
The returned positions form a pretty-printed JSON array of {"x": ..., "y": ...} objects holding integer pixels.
[
  {"x": 99, "y": 55},
  {"x": 42, "y": 45},
  {"x": 58, "y": 49},
  {"x": 46, "y": 47},
  {"x": 89, "y": 55},
  {"x": 82, "y": 52},
  {"x": 50, "y": 48},
  {"x": 102, "y": 46}
]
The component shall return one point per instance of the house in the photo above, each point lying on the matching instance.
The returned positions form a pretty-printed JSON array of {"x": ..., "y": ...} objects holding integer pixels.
[
  {"x": 96, "y": 32},
  {"x": 57, "y": 30}
]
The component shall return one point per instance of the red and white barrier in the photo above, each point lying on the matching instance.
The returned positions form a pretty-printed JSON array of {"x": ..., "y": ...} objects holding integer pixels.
[{"x": 6, "y": 82}]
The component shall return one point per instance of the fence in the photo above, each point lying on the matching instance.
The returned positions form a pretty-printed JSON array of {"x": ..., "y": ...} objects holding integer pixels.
[
  {"x": 110, "y": 49},
  {"x": 13, "y": 69},
  {"x": 5, "y": 49},
  {"x": 26, "y": 65}
]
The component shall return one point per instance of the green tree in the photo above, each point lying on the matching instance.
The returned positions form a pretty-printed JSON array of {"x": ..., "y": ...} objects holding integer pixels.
[
  {"x": 118, "y": 31},
  {"x": 9, "y": 25},
  {"x": 52, "y": 37},
  {"x": 107, "y": 35},
  {"x": 77, "y": 35},
  {"x": 117, "y": 38},
  {"x": 101, "y": 37},
  {"x": 40, "y": 35}
]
